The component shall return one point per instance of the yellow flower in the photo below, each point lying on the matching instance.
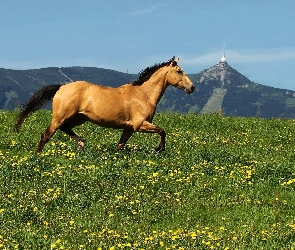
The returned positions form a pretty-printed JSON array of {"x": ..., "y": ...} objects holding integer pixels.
[{"x": 155, "y": 174}]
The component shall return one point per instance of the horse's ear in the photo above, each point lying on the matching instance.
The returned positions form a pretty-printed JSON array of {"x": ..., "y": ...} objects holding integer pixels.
[
  {"x": 171, "y": 61},
  {"x": 174, "y": 61}
]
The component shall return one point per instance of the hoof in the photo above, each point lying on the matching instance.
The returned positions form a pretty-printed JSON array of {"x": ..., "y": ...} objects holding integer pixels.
[
  {"x": 80, "y": 145},
  {"x": 158, "y": 150},
  {"x": 120, "y": 146}
]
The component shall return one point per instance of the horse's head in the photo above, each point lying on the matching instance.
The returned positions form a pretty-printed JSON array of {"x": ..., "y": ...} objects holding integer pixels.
[{"x": 177, "y": 78}]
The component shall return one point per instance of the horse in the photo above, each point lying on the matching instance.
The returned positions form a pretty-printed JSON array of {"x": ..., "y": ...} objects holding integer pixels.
[{"x": 130, "y": 107}]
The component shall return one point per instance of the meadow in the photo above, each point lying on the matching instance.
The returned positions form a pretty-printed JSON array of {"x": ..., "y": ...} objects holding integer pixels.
[{"x": 222, "y": 183}]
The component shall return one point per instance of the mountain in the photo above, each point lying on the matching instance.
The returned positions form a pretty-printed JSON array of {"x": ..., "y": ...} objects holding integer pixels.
[{"x": 220, "y": 88}]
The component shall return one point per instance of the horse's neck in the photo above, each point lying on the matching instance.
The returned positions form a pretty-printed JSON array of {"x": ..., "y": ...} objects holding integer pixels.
[{"x": 156, "y": 86}]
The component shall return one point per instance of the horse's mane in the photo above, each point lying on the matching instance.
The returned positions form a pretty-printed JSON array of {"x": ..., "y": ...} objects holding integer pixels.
[{"x": 145, "y": 74}]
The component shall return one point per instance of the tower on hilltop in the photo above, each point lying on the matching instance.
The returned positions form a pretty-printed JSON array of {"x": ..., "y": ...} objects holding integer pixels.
[{"x": 223, "y": 62}]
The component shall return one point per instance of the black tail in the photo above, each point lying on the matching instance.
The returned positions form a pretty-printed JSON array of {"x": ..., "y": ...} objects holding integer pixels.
[{"x": 38, "y": 100}]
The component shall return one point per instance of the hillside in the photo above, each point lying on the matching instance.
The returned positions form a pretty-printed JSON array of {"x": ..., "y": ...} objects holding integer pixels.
[
  {"x": 17, "y": 86},
  {"x": 219, "y": 88},
  {"x": 222, "y": 183}
]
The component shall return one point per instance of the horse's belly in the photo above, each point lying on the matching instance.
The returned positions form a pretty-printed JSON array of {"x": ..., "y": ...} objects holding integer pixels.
[{"x": 109, "y": 120}]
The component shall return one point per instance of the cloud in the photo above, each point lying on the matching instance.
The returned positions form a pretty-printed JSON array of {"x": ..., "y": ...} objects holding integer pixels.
[
  {"x": 144, "y": 11},
  {"x": 242, "y": 56}
]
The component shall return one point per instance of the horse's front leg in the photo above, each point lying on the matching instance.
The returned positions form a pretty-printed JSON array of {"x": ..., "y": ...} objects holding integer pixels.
[
  {"x": 148, "y": 127},
  {"x": 127, "y": 133}
]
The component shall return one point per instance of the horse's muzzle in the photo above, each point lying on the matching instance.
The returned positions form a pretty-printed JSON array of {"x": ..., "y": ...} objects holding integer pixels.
[{"x": 190, "y": 90}]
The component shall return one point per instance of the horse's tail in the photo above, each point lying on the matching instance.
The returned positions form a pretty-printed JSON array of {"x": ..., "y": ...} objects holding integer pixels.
[{"x": 38, "y": 100}]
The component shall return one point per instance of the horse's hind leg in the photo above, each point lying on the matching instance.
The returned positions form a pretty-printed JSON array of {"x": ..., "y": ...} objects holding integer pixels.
[
  {"x": 71, "y": 123},
  {"x": 65, "y": 128},
  {"x": 46, "y": 135}
]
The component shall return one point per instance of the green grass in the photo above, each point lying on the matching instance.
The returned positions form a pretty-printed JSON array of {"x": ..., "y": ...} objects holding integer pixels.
[{"x": 222, "y": 183}]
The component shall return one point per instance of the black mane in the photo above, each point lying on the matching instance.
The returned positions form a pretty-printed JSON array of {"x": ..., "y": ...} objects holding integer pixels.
[{"x": 145, "y": 74}]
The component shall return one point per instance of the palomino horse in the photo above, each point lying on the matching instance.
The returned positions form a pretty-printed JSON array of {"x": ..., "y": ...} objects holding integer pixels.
[{"x": 130, "y": 107}]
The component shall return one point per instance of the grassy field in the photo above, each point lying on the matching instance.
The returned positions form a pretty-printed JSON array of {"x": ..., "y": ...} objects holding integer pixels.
[{"x": 222, "y": 183}]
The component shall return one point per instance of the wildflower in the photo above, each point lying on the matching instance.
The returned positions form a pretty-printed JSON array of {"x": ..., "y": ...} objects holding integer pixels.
[{"x": 193, "y": 235}]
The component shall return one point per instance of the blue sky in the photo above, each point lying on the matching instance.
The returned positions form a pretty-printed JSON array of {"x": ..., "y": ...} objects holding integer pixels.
[{"x": 258, "y": 36}]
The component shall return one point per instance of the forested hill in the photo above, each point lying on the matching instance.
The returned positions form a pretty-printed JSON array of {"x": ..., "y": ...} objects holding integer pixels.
[
  {"x": 219, "y": 88},
  {"x": 17, "y": 86}
]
